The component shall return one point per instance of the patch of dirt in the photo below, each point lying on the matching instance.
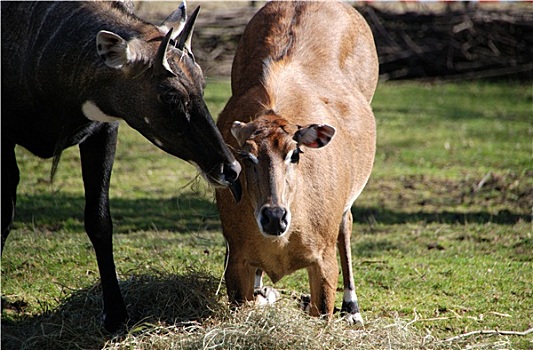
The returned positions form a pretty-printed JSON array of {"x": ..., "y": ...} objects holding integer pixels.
[{"x": 495, "y": 197}]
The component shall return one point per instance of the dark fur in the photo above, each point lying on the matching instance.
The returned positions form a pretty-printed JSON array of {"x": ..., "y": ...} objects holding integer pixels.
[{"x": 50, "y": 68}]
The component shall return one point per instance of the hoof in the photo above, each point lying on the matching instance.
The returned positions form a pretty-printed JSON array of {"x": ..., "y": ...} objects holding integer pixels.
[
  {"x": 265, "y": 296},
  {"x": 355, "y": 320},
  {"x": 113, "y": 322},
  {"x": 305, "y": 303},
  {"x": 350, "y": 313}
]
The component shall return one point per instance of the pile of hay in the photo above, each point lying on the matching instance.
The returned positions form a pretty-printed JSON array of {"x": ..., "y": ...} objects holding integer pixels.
[
  {"x": 172, "y": 311},
  {"x": 154, "y": 300},
  {"x": 281, "y": 326}
]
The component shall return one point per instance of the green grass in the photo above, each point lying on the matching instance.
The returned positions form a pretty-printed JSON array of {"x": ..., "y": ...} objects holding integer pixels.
[
  {"x": 450, "y": 129},
  {"x": 442, "y": 241}
]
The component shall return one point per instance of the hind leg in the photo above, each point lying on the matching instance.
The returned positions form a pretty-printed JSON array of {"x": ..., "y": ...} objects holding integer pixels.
[
  {"x": 350, "y": 306},
  {"x": 10, "y": 181}
]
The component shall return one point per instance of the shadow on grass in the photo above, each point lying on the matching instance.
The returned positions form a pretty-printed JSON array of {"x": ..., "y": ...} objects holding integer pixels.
[
  {"x": 371, "y": 215},
  {"x": 151, "y": 300},
  {"x": 185, "y": 213},
  {"x": 191, "y": 213}
]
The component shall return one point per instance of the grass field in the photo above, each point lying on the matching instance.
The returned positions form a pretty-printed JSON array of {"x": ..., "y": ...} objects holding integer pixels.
[{"x": 442, "y": 240}]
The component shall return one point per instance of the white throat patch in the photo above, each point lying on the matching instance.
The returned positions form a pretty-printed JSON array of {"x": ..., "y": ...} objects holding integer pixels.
[{"x": 92, "y": 112}]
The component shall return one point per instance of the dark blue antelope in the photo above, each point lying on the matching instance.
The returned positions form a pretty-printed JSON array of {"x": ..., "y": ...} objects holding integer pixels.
[{"x": 70, "y": 72}]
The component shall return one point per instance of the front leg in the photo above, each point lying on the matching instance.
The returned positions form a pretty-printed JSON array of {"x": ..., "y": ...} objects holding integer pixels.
[
  {"x": 240, "y": 278},
  {"x": 97, "y": 155},
  {"x": 350, "y": 306},
  {"x": 264, "y": 295},
  {"x": 323, "y": 277}
]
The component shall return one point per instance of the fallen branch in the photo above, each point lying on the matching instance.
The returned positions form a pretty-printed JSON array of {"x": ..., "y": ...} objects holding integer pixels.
[
  {"x": 417, "y": 318},
  {"x": 483, "y": 181},
  {"x": 499, "y": 314},
  {"x": 491, "y": 332}
]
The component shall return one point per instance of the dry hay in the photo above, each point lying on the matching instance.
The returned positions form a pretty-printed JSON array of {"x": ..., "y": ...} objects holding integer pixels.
[
  {"x": 281, "y": 326},
  {"x": 157, "y": 299},
  {"x": 172, "y": 311}
]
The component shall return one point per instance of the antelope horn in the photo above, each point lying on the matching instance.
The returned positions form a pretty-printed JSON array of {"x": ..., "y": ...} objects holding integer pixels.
[
  {"x": 175, "y": 20},
  {"x": 186, "y": 33},
  {"x": 161, "y": 64}
]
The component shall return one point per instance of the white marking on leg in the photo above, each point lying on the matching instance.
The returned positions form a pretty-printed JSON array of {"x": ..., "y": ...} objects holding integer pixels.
[
  {"x": 353, "y": 319},
  {"x": 263, "y": 295},
  {"x": 349, "y": 295},
  {"x": 258, "y": 283},
  {"x": 146, "y": 120},
  {"x": 260, "y": 299},
  {"x": 94, "y": 113},
  {"x": 266, "y": 296},
  {"x": 272, "y": 295}
]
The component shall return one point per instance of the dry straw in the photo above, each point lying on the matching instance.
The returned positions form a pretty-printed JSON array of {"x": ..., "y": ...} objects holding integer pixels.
[{"x": 184, "y": 311}]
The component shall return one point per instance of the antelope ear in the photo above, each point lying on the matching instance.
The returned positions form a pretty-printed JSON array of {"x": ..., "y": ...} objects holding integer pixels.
[
  {"x": 112, "y": 48},
  {"x": 176, "y": 20},
  {"x": 237, "y": 130},
  {"x": 314, "y": 135}
]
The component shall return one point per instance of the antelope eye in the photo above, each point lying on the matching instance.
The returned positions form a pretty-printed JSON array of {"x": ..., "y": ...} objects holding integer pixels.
[
  {"x": 169, "y": 97},
  {"x": 295, "y": 156}
]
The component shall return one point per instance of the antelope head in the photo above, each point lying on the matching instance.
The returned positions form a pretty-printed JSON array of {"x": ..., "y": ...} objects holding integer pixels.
[
  {"x": 272, "y": 152},
  {"x": 156, "y": 86}
]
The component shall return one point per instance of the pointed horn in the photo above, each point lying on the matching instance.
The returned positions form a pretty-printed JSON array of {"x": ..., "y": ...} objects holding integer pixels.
[
  {"x": 160, "y": 63},
  {"x": 186, "y": 34},
  {"x": 176, "y": 20}
]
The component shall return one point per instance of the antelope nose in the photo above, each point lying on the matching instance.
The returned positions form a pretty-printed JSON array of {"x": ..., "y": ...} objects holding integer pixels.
[
  {"x": 274, "y": 220},
  {"x": 231, "y": 171}
]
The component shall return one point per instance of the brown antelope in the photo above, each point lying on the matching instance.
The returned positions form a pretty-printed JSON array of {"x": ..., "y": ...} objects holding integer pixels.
[{"x": 303, "y": 77}]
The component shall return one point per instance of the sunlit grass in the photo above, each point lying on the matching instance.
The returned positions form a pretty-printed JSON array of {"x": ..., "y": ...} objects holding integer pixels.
[{"x": 442, "y": 238}]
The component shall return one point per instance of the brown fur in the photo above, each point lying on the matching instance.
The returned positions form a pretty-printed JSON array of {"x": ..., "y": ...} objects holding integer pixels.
[{"x": 299, "y": 63}]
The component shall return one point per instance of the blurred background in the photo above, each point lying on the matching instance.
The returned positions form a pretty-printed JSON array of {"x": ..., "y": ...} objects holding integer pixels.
[{"x": 445, "y": 40}]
